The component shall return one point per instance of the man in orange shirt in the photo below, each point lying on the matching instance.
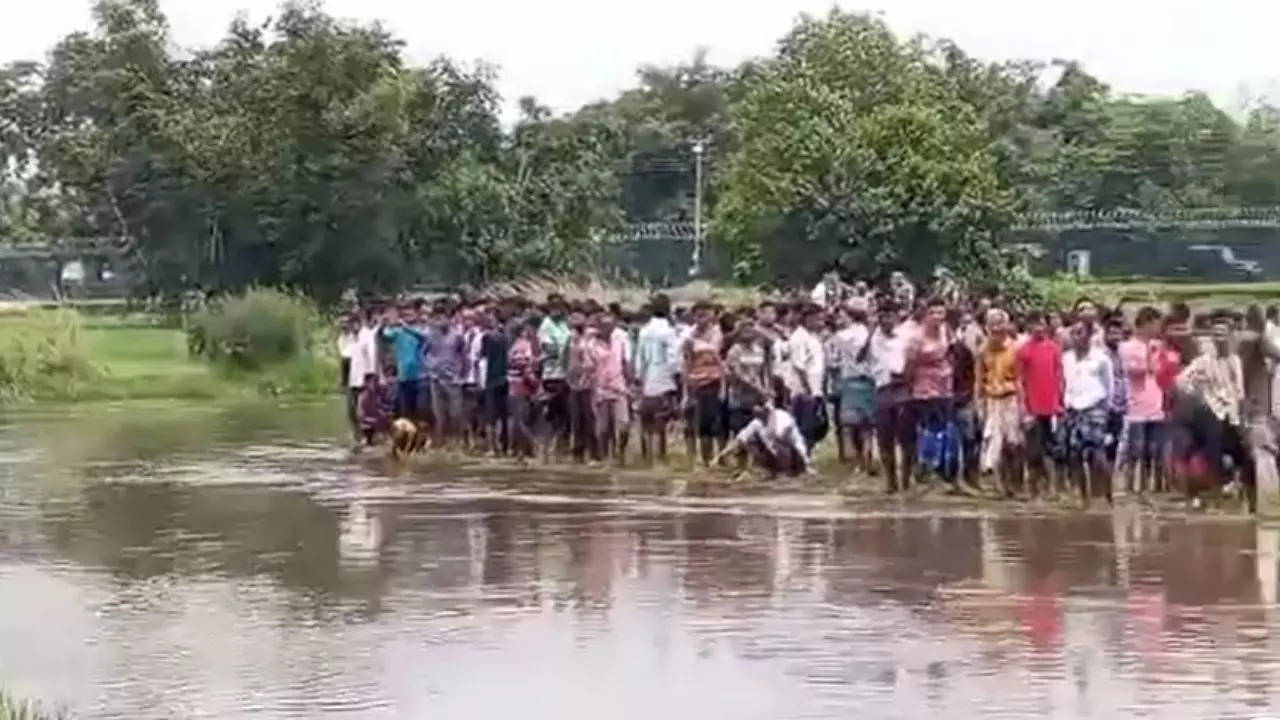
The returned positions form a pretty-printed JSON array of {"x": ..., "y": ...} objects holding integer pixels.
[{"x": 997, "y": 395}]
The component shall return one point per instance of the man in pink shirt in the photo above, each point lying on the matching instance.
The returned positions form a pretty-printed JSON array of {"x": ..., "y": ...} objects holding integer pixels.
[
  {"x": 612, "y": 402},
  {"x": 1144, "y": 422}
]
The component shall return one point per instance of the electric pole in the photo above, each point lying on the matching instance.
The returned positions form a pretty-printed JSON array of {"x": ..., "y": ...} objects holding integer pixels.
[{"x": 696, "y": 266}]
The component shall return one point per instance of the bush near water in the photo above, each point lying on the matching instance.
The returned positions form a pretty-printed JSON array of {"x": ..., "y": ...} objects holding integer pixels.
[
  {"x": 41, "y": 354},
  {"x": 11, "y": 708},
  {"x": 258, "y": 328},
  {"x": 260, "y": 342}
]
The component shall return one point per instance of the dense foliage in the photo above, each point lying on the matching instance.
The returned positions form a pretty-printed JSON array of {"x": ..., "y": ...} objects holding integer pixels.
[
  {"x": 308, "y": 153},
  {"x": 254, "y": 329}
]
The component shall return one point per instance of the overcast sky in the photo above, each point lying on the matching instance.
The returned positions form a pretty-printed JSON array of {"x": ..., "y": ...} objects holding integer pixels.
[{"x": 568, "y": 52}]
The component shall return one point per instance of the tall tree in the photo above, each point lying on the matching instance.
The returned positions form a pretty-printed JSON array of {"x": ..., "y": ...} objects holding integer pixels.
[{"x": 852, "y": 144}]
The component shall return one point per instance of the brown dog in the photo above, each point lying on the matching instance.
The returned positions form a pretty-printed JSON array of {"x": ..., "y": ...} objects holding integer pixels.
[{"x": 406, "y": 438}]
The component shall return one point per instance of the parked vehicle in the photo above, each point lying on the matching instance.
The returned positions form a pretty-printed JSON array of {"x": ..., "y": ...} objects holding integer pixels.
[{"x": 1217, "y": 262}]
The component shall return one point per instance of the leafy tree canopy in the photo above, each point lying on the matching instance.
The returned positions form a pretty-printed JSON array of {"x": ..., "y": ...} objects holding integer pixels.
[{"x": 307, "y": 152}]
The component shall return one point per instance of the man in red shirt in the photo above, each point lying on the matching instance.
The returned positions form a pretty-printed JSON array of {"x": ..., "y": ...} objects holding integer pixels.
[{"x": 1040, "y": 370}]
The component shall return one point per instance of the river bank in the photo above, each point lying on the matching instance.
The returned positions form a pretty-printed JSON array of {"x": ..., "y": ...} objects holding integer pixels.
[{"x": 106, "y": 433}]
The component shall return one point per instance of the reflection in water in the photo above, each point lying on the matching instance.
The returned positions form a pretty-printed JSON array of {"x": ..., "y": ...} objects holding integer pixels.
[{"x": 255, "y": 569}]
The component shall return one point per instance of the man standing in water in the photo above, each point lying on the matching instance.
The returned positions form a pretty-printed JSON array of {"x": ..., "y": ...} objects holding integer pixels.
[{"x": 657, "y": 358}]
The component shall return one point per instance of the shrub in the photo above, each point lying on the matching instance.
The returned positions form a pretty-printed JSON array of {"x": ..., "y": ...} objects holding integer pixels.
[
  {"x": 257, "y": 328},
  {"x": 41, "y": 354},
  {"x": 12, "y": 708}
]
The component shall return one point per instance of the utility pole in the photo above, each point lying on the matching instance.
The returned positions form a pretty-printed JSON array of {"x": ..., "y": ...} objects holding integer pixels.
[{"x": 696, "y": 267}]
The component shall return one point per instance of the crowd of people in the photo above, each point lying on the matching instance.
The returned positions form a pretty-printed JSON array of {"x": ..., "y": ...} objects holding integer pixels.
[{"x": 938, "y": 392}]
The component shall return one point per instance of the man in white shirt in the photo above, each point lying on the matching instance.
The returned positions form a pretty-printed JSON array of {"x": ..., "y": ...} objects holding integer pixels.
[
  {"x": 1214, "y": 380},
  {"x": 657, "y": 361},
  {"x": 806, "y": 373},
  {"x": 1088, "y": 377},
  {"x": 830, "y": 291},
  {"x": 358, "y": 349},
  {"x": 774, "y": 441},
  {"x": 888, "y": 359}
]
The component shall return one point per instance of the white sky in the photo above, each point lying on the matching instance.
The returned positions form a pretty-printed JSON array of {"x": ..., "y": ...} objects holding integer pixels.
[{"x": 568, "y": 52}]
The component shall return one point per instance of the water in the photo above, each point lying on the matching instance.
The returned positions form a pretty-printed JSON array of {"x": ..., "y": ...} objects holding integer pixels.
[{"x": 162, "y": 561}]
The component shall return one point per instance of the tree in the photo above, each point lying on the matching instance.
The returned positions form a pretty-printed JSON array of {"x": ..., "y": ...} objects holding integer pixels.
[{"x": 853, "y": 144}]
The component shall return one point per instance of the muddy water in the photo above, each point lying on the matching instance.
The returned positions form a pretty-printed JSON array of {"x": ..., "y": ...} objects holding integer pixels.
[{"x": 159, "y": 561}]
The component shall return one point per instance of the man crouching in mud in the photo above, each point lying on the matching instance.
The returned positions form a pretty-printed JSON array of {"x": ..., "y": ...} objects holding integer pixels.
[
  {"x": 773, "y": 441},
  {"x": 406, "y": 438}
]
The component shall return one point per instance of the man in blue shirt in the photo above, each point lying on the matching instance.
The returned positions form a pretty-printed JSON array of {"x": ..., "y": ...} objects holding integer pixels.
[{"x": 406, "y": 347}]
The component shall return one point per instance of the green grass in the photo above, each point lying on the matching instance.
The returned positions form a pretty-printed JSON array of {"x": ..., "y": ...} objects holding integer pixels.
[
  {"x": 133, "y": 361},
  {"x": 13, "y": 709},
  {"x": 145, "y": 363},
  {"x": 1198, "y": 295}
]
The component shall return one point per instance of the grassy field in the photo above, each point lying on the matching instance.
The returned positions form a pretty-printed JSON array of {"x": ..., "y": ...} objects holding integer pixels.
[
  {"x": 148, "y": 362},
  {"x": 1195, "y": 294},
  {"x": 117, "y": 358}
]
